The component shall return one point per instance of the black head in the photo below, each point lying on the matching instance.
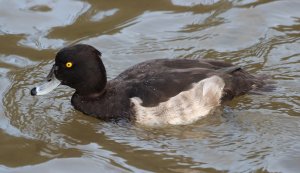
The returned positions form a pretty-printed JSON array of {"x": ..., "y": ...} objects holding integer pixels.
[{"x": 81, "y": 68}]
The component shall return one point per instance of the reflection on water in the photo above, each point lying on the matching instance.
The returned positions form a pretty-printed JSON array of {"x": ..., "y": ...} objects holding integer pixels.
[{"x": 253, "y": 133}]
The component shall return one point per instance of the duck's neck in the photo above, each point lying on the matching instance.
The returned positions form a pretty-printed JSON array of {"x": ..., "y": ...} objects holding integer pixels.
[
  {"x": 94, "y": 95},
  {"x": 93, "y": 87},
  {"x": 89, "y": 92}
]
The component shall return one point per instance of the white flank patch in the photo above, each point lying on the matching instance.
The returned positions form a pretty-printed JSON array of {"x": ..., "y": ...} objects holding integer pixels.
[{"x": 184, "y": 108}]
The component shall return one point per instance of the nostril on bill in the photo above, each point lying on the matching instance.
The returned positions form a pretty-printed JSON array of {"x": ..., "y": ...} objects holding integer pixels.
[{"x": 33, "y": 91}]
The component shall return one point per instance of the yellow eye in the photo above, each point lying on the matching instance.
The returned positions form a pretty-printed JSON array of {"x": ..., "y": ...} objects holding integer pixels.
[{"x": 69, "y": 64}]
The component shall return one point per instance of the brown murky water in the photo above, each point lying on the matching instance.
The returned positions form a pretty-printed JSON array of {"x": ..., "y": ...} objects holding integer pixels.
[{"x": 255, "y": 133}]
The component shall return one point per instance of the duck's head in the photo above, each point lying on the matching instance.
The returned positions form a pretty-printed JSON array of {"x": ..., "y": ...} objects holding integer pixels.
[{"x": 79, "y": 67}]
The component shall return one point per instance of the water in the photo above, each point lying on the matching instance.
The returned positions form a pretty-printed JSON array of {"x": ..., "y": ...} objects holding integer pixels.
[{"x": 254, "y": 133}]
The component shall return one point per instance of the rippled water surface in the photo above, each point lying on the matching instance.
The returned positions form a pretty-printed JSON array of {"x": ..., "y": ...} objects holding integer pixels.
[{"x": 254, "y": 133}]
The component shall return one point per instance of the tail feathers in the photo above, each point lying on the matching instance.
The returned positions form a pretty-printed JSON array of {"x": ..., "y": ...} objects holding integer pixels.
[
  {"x": 266, "y": 85},
  {"x": 240, "y": 82}
]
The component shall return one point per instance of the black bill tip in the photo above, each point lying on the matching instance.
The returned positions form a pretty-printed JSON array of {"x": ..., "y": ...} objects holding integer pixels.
[{"x": 33, "y": 91}]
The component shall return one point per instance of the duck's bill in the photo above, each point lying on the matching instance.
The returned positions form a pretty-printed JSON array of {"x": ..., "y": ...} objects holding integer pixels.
[{"x": 49, "y": 84}]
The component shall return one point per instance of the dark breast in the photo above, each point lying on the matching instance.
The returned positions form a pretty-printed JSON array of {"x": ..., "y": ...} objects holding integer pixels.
[{"x": 111, "y": 105}]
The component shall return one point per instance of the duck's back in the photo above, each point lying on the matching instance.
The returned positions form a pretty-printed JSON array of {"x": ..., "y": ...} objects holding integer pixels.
[{"x": 156, "y": 81}]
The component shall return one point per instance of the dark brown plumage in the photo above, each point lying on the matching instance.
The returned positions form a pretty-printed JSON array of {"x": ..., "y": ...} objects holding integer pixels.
[{"x": 153, "y": 81}]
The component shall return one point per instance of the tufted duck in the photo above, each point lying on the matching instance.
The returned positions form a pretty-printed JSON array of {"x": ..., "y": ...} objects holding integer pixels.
[{"x": 155, "y": 92}]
